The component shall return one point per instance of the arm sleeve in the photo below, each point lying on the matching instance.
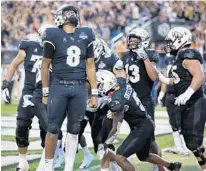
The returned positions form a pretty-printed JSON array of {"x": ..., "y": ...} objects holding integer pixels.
[
  {"x": 48, "y": 50},
  {"x": 90, "y": 50}
]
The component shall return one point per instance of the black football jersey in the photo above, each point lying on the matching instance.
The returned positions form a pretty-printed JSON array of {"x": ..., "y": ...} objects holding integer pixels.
[
  {"x": 32, "y": 62},
  {"x": 182, "y": 76},
  {"x": 169, "y": 62},
  {"x": 138, "y": 78},
  {"x": 70, "y": 52},
  {"x": 134, "y": 111},
  {"x": 106, "y": 62}
]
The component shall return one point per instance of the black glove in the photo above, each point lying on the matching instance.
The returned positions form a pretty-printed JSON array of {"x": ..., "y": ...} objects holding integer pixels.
[{"x": 5, "y": 93}]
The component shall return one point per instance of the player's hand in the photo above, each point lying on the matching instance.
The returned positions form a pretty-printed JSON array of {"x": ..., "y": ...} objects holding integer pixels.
[
  {"x": 92, "y": 104},
  {"x": 184, "y": 97},
  {"x": 110, "y": 114},
  {"x": 44, "y": 100},
  {"x": 101, "y": 151},
  {"x": 5, "y": 93},
  {"x": 160, "y": 97},
  {"x": 142, "y": 54},
  {"x": 27, "y": 101}
]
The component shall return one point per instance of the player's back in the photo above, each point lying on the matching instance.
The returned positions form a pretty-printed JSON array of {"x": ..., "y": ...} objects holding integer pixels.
[
  {"x": 70, "y": 52},
  {"x": 182, "y": 76},
  {"x": 134, "y": 111},
  {"x": 33, "y": 52},
  {"x": 138, "y": 78}
]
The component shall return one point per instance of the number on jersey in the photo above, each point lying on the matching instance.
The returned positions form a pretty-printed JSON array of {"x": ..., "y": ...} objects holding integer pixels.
[
  {"x": 175, "y": 75},
  {"x": 135, "y": 77},
  {"x": 73, "y": 56},
  {"x": 37, "y": 63}
]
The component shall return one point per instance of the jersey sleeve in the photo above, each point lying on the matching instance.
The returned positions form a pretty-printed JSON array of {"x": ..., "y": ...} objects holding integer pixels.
[
  {"x": 191, "y": 54},
  {"x": 113, "y": 59},
  {"x": 91, "y": 38},
  {"x": 153, "y": 56},
  {"x": 48, "y": 37},
  {"x": 24, "y": 45}
]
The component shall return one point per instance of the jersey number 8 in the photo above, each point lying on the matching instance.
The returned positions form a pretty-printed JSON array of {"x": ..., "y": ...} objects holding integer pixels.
[{"x": 73, "y": 56}]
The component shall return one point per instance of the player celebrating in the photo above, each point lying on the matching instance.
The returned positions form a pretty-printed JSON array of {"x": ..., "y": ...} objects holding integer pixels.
[
  {"x": 70, "y": 50},
  {"x": 106, "y": 60},
  {"x": 31, "y": 54},
  {"x": 190, "y": 100},
  {"x": 138, "y": 64},
  {"x": 125, "y": 104}
]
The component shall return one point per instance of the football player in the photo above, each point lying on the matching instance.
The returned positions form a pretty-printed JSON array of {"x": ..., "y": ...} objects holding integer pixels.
[
  {"x": 124, "y": 104},
  {"x": 70, "y": 50},
  {"x": 30, "y": 52},
  {"x": 174, "y": 118},
  {"x": 139, "y": 64},
  {"x": 104, "y": 60},
  {"x": 188, "y": 76}
]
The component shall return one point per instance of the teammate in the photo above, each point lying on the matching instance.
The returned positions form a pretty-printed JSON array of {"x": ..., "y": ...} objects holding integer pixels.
[
  {"x": 125, "y": 104},
  {"x": 174, "y": 118},
  {"x": 190, "y": 100},
  {"x": 30, "y": 53},
  {"x": 139, "y": 64},
  {"x": 70, "y": 50},
  {"x": 104, "y": 60}
]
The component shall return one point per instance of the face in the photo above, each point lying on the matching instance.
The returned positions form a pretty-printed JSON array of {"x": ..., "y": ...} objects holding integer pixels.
[{"x": 134, "y": 43}]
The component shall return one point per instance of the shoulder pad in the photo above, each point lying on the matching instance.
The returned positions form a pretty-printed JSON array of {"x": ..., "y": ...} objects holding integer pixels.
[
  {"x": 88, "y": 31},
  {"x": 24, "y": 44},
  {"x": 190, "y": 54},
  {"x": 49, "y": 34},
  {"x": 153, "y": 56}
]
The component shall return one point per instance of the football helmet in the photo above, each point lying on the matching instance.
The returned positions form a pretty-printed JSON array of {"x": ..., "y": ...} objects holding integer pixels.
[
  {"x": 140, "y": 39},
  {"x": 67, "y": 14},
  {"x": 106, "y": 81},
  {"x": 100, "y": 47},
  {"x": 177, "y": 38}
]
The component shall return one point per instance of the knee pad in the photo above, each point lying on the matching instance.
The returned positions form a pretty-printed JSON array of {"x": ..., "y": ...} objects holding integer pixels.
[
  {"x": 73, "y": 128},
  {"x": 53, "y": 128},
  {"x": 193, "y": 143},
  {"x": 22, "y": 136}
]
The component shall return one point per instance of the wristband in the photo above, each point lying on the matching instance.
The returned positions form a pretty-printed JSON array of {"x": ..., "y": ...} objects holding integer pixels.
[
  {"x": 45, "y": 91},
  {"x": 189, "y": 91},
  {"x": 94, "y": 92}
]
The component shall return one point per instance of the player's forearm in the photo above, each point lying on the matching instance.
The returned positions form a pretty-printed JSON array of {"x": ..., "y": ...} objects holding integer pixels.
[
  {"x": 151, "y": 71},
  {"x": 11, "y": 70},
  {"x": 91, "y": 75},
  {"x": 197, "y": 80},
  {"x": 45, "y": 74},
  {"x": 113, "y": 134}
]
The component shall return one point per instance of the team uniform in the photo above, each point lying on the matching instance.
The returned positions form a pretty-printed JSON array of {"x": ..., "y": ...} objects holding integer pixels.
[
  {"x": 142, "y": 127},
  {"x": 193, "y": 112},
  {"x": 68, "y": 92},
  {"x": 138, "y": 78},
  {"x": 170, "y": 97},
  {"x": 26, "y": 113},
  {"x": 106, "y": 61}
]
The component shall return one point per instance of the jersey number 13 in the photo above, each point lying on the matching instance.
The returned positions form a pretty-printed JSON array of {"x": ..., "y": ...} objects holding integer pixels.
[{"x": 134, "y": 77}]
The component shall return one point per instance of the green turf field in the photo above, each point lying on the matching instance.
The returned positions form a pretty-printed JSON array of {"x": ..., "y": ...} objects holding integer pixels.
[{"x": 189, "y": 163}]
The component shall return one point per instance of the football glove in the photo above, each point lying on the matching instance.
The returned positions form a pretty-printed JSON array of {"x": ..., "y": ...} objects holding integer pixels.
[
  {"x": 5, "y": 93},
  {"x": 184, "y": 97},
  {"x": 142, "y": 54}
]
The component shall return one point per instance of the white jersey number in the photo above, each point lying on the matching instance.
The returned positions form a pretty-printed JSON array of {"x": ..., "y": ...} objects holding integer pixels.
[
  {"x": 37, "y": 63},
  {"x": 73, "y": 56},
  {"x": 175, "y": 75},
  {"x": 135, "y": 77}
]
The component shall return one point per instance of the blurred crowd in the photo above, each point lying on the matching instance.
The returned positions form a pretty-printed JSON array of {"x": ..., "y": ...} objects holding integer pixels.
[{"x": 106, "y": 18}]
